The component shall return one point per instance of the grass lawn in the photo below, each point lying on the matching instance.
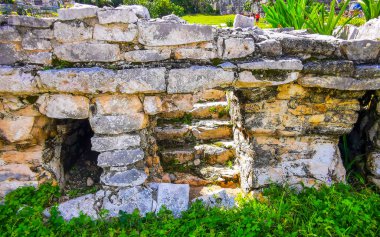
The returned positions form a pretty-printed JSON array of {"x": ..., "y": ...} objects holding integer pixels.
[{"x": 217, "y": 20}]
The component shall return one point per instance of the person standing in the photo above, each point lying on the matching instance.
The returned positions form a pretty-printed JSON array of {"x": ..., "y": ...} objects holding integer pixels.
[{"x": 257, "y": 17}]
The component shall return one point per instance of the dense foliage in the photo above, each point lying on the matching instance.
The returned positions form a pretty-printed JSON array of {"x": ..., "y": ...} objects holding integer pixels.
[
  {"x": 339, "y": 210},
  {"x": 371, "y": 8}
]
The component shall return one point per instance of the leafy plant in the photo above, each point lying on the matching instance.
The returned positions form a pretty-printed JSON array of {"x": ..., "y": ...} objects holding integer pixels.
[
  {"x": 229, "y": 22},
  {"x": 325, "y": 21},
  {"x": 371, "y": 8}
]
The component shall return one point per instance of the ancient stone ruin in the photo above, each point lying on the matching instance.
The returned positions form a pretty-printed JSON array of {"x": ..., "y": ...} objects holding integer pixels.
[{"x": 163, "y": 106}]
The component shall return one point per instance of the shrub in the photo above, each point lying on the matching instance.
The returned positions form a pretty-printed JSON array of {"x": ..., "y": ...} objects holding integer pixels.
[
  {"x": 371, "y": 8},
  {"x": 158, "y": 8},
  {"x": 229, "y": 22}
]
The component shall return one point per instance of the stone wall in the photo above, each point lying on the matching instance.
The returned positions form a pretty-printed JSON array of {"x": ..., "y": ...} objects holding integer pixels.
[{"x": 170, "y": 102}]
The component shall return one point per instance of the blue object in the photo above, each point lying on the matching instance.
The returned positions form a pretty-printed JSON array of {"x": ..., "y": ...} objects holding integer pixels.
[{"x": 355, "y": 6}]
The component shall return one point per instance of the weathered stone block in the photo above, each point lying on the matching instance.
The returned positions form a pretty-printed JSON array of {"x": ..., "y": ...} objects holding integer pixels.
[
  {"x": 41, "y": 33},
  {"x": 361, "y": 50},
  {"x": 218, "y": 199},
  {"x": 110, "y": 143},
  {"x": 43, "y": 58},
  {"x": 88, "y": 52},
  {"x": 117, "y": 124},
  {"x": 370, "y": 30},
  {"x": 118, "y": 15},
  {"x": 28, "y": 21},
  {"x": 243, "y": 21},
  {"x": 120, "y": 157},
  {"x": 152, "y": 105},
  {"x": 128, "y": 178},
  {"x": 175, "y": 103},
  {"x": 16, "y": 129},
  {"x": 373, "y": 163},
  {"x": 115, "y": 32},
  {"x": 73, "y": 207},
  {"x": 72, "y": 31},
  {"x": 340, "y": 83},
  {"x": 200, "y": 54},
  {"x": 174, "y": 197},
  {"x": 20, "y": 172},
  {"x": 14, "y": 80},
  {"x": 142, "y": 80},
  {"x": 147, "y": 55},
  {"x": 9, "y": 54},
  {"x": 10, "y": 185},
  {"x": 78, "y": 11},
  {"x": 313, "y": 44},
  {"x": 238, "y": 47},
  {"x": 64, "y": 106},
  {"x": 198, "y": 78},
  {"x": 140, "y": 11},
  {"x": 330, "y": 67},
  {"x": 270, "y": 47},
  {"x": 250, "y": 79},
  {"x": 367, "y": 71},
  {"x": 267, "y": 64},
  {"x": 9, "y": 34},
  {"x": 31, "y": 43},
  {"x": 117, "y": 104},
  {"x": 172, "y": 34}
]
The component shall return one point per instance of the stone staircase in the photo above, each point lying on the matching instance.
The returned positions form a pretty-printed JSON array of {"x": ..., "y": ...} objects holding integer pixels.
[{"x": 198, "y": 148}]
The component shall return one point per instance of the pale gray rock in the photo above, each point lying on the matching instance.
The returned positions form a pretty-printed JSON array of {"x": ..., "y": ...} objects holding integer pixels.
[
  {"x": 340, "y": 83},
  {"x": 10, "y": 185},
  {"x": 243, "y": 21},
  {"x": 361, "y": 50},
  {"x": 370, "y": 30},
  {"x": 270, "y": 47},
  {"x": 174, "y": 19},
  {"x": 218, "y": 199},
  {"x": 31, "y": 43},
  {"x": 9, "y": 54},
  {"x": 110, "y": 143},
  {"x": 118, "y": 15},
  {"x": 142, "y": 80},
  {"x": 198, "y": 78},
  {"x": 313, "y": 44},
  {"x": 193, "y": 53},
  {"x": 78, "y": 11},
  {"x": 140, "y": 11},
  {"x": 373, "y": 164},
  {"x": 72, "y": 31},
  {"x": 117, "y": 104},
  {"x": 174, "y": 197},
  {"x": 128, "y": 200},
  {"x": 147, "y": 55},
  {"x": 367, "y": 71},
  {"x": 167, "y": 34},
  {"x": 348, "y": 32},
  {"x": 120, "y": 157},
  {"x": 128, "y": 178},
  {"x": 15, "y": 80},
  {"x": 72, "y": 208},
  {"x": 41, "y": 33},
  {"x": 115, "y": 32},
  {"x": 88, "y": 52},
  {"x": 9, "y": 34},
  {"x": 117, "y": 124},
  {"x": 268, "y": 64},
  {"x": 249, "y": 79},
  {"x": 330, "y": 67},
  {"x": 152, "y": 105},
  {"x": 43, "y": 58},
  {"x": 28, "y": 21},
  {"x": 238, "y": 47},
  {"x": 63, "y": 106},
  {"x": 228, "y": 66}
]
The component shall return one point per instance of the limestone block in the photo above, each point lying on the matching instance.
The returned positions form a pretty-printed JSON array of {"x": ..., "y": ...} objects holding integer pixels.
[
  {"x": 177, "y": 103},
  {"x": 16, "y": 129},
  {"x": 30, "y": 156},
  {"x": 340, "y": 83},
  {"x": 115, "y": 32},
  {"x": 41, "y": 33},
  {"x": 268, "y": 64},
  {"x": 147, "y": 55},
  {"x": 73, "y": 207},
  {"x": 152, "y": 105},
  {"x": 177, "y": 155},
  {"x": 142, "y": 80},
  {"x": 63, "y": 106},
  {"x": 72, "y": 31},
  {"x": 270, "y": 47},
  {"x": 171, "y": 132},
  {"x": 199, "y": 54},
  {"x": 243, "y": 21},
  {"x": 249, "y": 79},
  {"x": 197, "y": 78},
  {"x": 117, "y": 104},
  {"x": 210, "y": 95},
  {"x": 167, "y": 34},
  {"x": 211, "y": 130},
  {"x": 120, "y": 157},
  {"x": 88, "y": 52},
  {"x": 174, "y": 197},
  {"x": 218, "y": 199},
  {"x": 330, "y": 67},
  {"x": 118, "y": 15},
  {"x": 9, "y": 54},
  {"x": 128, "y": 178},
  {"x": 10, "y": 185},
  {"x": 373, "y": 163},
  {"x": 312, "y": 44},
  {"x": 43, "y": 58},
  {"x": 367, "y": 71},
  {"x": 361, "y": 50},
  {"x": 78, "y": 11},
  {"x": 238, "y": 47},
  {"x": 20, "y": 172},
  {"x": 216, "y": 154},
  {"x": 9, "y": 34},
  {"x": 110, "y": 143},
  {"x": 370, "y": 30},
  {"x": 28, "y": 21},
  {"x": 129, "y": 199},
  {"x": 31, "y": 43},
  {"x": 140, "y": 11},
  {"x": 117, "y": 124}
]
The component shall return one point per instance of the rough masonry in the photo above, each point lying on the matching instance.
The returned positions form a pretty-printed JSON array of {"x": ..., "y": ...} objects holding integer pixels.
[{"x": 174, "y": 105}]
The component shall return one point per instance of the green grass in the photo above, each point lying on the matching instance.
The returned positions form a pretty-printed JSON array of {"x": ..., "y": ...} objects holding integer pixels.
[
  {"x": 339, "y": 210},
  {"x": 217, "y": 20}
]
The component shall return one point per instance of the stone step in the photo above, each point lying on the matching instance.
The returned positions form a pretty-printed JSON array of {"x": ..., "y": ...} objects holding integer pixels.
[
  {"x": 127, "y": 178},
  {"x": 120, "y": 158},
  {"x": 210, "y": 110},
  {"x": 223, "y": 176},
  {"x": 198, "y": 130}
]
